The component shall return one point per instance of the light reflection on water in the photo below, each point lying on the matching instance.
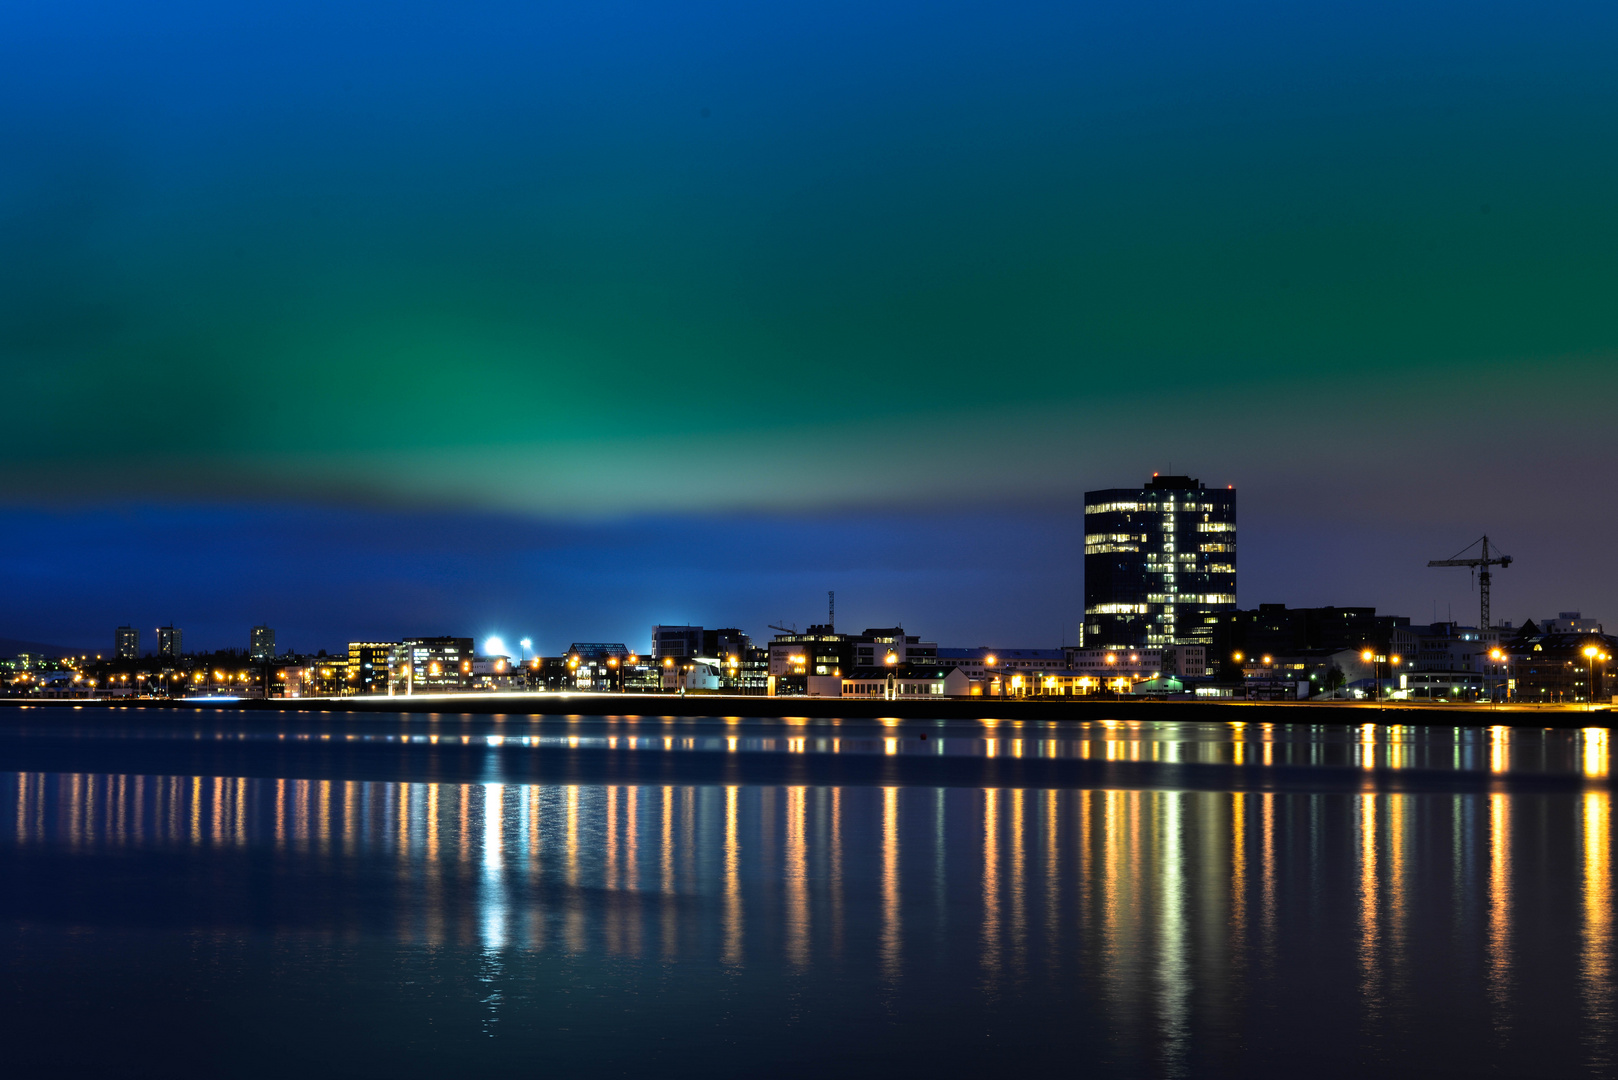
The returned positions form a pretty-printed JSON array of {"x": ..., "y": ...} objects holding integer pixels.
[
  {"x": 1169, "y": 932},
  {"x": 1496, "y": 749}
]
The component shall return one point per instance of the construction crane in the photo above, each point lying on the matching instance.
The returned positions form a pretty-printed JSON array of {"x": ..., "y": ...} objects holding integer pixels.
[{"x": 1481, "y": 565}]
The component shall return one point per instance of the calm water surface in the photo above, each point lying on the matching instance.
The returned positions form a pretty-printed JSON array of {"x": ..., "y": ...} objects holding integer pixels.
[{"x": 383, "y": 895}]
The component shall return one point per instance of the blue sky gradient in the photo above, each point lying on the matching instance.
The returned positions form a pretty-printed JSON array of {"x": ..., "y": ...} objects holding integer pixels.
[{"x": 643, "y": 276}]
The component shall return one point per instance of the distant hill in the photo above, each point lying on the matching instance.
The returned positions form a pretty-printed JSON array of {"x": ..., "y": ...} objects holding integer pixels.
[{"x": 13, "y": 646}]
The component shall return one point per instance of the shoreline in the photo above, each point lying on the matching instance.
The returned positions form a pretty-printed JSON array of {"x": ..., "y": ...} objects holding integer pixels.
[{"x": 1080, "y": 710}]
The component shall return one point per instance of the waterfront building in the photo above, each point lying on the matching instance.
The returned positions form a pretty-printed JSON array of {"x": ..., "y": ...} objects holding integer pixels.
[
  {"x": 494, "y": 673},
  {"x": 598, "y": 665},
  {"x": 685, "y": 642},
  {"x": 126, "y": 643},
  {"x": 640, "y": 675},
  {"x": 1551, "y": 668},
  {"x": 1070, "y": 683},
  {"x": 1159, "y": 563},
  {"x": 1276, "y": 628},
  {"x": 262, "y": 643},
  {"x": 752, "y": 674},
  {"x": 313, "y": 676},
  {"x": 695, "y": 674},
  {"x": 875, "y": 645},
  {"x": 818, "y": 650},
  {"x": 1443, "y": 686},
  {"x": 431, "y": 665},
  {"x": 821, "y": 652},
  {"x": 168, "y": 642},
  {"x": 1117, "y": 670},
  {"x": 367, "y": 668},
  {"x": 329, "y": 675},
  {"x": 903, "y": 682}
]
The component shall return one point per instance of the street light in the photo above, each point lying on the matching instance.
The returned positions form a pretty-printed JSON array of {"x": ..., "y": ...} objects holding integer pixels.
[
  {"x": 1592, "y": 654},
  {"x": 1499, "y": 658}
]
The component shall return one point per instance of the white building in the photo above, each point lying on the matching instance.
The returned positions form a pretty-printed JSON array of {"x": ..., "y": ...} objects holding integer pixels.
[
  {"x": 906, "y": 682},
  {"x": 696, "y": 674}
]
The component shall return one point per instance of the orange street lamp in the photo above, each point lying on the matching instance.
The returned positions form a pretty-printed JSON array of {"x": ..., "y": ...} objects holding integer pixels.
[{"x": 1591, "y": 655}]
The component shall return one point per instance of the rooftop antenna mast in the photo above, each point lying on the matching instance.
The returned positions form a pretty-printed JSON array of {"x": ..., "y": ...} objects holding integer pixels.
[
  {"x": 831, "y": 612},
  {"x": 1481, "y": 565}
]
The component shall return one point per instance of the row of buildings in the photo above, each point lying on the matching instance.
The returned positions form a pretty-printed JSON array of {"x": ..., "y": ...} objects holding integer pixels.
[
  {"x": 1268, "y": 653},
  {"x": 1160, "y": 618}
]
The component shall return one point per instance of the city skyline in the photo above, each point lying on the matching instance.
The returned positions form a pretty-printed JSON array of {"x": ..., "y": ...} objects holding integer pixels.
[{"x": 1040, "y": 559}]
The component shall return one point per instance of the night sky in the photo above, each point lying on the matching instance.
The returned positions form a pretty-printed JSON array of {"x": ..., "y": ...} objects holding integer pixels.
[{"x": 377, "y": 319}]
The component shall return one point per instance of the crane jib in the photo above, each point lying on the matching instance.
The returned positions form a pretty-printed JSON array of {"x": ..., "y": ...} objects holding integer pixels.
[{"x": 1481, "y": 564}]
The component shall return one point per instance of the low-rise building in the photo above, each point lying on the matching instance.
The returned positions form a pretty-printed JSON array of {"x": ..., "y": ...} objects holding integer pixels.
[
  {"x": 905, "y": 682},
  {"x": 1552, "y": 668},
  {"x": 694, "y": 674},
  {"x": 494, "y": 673},
  {"x": 598, "y": 665},
  {"x": 820, "y": 650}
]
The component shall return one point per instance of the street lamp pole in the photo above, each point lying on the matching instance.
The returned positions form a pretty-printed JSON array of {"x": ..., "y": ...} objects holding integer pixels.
[
  {"x": 1591, "y": 655},
  {"x": 1499, "y": 658}
]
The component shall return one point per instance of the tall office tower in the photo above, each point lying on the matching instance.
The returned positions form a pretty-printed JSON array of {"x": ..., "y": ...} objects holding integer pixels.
[
  {"x": 1159, "y": 563},
  {"x": 262, "y": 646},
  {"x": 126, "y": 643},
  {"x": 168, "y": 642}
]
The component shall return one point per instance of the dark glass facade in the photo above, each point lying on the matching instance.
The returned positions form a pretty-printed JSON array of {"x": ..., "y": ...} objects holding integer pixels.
[{"x": 1159, "y": 563}]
